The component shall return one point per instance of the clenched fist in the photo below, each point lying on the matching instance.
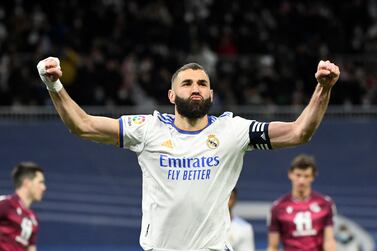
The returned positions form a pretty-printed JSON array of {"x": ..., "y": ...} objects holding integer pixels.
[
  {"x": 327, "y": 73},
  {"x": 49, "y": 71}
]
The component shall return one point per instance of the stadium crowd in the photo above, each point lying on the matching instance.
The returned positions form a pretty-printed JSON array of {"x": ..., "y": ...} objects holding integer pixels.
[{"x": 117, "y": 52}]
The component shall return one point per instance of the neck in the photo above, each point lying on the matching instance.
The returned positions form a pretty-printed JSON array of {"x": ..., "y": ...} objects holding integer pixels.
[
  {"x": 26, "y": 201},
  {"x": 301, "y": 195},
  {"x": 188, "y": 124}
]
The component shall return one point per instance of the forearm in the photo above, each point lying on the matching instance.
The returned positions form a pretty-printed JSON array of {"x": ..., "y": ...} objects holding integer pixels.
[
  {"x": 329, "y": 246},
  {"x": 312, "y": 115},
  {"x": 272, "y": 248},
  {"x": 32, "y": 248},
  {"x": 72, "y": 115},
  {"x": 329, "y": 243}
]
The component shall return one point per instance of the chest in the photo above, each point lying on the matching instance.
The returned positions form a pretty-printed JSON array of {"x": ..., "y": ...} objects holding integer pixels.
[
  {"x": 207, "y": 143},
  {"x": 304, "y": 219},
  {"x": 20, "y": 224}
]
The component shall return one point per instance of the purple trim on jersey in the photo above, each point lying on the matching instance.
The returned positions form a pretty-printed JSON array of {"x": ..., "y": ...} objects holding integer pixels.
[
  {"x": 193, "y": 132},
  {"x": 120, "y": 132}
]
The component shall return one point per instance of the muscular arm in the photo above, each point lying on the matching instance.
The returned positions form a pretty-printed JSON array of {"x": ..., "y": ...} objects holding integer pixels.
[
  {"x": 273, "y": 241},
  {"x": 329, "y": 243},
  {"x": 286, "y": 134},
  {"x": 96, "y": 128}
]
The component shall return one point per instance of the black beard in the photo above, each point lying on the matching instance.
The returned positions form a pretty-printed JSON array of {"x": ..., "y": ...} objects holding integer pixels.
[{"x": 193, "y": 109}]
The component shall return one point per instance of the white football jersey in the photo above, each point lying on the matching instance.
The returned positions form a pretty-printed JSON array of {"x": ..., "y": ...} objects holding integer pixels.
[
  {"x": 188, "y": 177},
  {"x": 241, "y": 235}
]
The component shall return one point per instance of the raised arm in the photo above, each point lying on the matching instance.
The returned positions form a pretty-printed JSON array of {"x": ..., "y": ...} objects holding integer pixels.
[
  {"x": 96, "y": 128},
  {"x": 286, "y": 134}
]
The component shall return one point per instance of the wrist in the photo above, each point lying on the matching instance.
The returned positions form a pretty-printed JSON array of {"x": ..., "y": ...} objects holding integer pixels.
[{"x": 54, "y": 86}]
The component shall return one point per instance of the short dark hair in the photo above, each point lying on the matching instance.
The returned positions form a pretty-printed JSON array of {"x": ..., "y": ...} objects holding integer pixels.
[
  {"x": 192, "y": 66},
  {"x": 303, "y": 162},
  {"x": 24, "y": 170}
]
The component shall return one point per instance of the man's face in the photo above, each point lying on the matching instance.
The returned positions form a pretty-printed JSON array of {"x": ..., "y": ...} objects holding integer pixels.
[
  {"x": 301, "y": 179},
  {"x": 191, "y": 93},
  {"x": 37, "y": 187}
]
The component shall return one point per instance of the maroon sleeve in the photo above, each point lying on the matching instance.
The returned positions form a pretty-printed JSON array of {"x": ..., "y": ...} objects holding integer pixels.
[
  {"x": 331, "y": 211},
  {"x": 273, "y": 225},
  {"x": 4, "y": 206},
  {"x": 33, "y": 237}
]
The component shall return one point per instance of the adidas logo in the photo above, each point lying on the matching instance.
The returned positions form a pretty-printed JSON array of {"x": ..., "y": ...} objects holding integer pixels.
[
  {"x": 168, "y": 144},
  {"x": 263, "y": 136}
]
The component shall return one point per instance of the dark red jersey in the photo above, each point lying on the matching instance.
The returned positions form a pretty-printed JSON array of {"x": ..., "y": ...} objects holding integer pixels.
[
  {"x": 18, "y": 224},
  {"x": 301, "y": 224}
]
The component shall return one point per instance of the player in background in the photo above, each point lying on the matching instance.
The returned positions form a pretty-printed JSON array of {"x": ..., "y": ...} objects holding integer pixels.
[
  {"x": 241, "y": 234},
  {"x": 18, "y": 223},
  {"x": 302, "y": 219},
  {"x": 190, "y": 161}
]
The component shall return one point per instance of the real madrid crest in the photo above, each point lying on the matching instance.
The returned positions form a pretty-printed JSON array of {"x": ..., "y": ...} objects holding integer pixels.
[{"x": 212, "y": 141}]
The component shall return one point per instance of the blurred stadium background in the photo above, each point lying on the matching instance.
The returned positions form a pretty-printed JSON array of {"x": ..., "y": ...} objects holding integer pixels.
[{"x": 117, "y": 58}]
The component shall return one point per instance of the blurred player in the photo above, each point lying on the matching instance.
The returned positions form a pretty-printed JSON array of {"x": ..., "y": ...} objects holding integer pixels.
[
  {"x": 190, "y": 160},
  {"x": 241, "y": 234},
  {"x": 302, "y": 219},
  {"x": 18, "y": 223}
]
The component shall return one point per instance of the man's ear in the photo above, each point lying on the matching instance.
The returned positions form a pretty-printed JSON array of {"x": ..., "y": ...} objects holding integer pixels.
[
  {"x": 26, "y": 182},
  {"x": 211, "y": 95},
  {"x": 171, "y": 96}
]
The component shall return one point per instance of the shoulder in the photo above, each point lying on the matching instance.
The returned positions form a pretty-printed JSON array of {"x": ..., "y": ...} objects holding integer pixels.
[
  {"x": 281, "y": 201},
  {"x": 226, "y": 116},
  {"x": 163, "y": 117},
  {"x": 229, "y": 118},
  {"x": 6, "y": 198},
  {"x": 5, "y": 201},
  {"x": 322, "y": 197}
]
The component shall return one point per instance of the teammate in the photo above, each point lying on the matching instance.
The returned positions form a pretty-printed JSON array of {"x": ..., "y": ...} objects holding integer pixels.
[
  {"x": 303, "y": 219},
  {"x": 190, "y": 161},
  {"x": 18, "y": 223},
  {"x": 241, "y": 234}
]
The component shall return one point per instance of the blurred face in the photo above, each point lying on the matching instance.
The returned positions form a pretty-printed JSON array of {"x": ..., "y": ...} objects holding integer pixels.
[
  {"x": 191, "y": 93},
  {"x": 301, "y": 179},
  {"x": 37, "y": 187}
]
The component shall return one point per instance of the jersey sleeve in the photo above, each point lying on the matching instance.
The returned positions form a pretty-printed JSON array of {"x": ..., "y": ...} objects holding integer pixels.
[
  {"x": 4, "y": 206},
  {"x": 132, "y": 130},
  {"x": 33, "y": 237},
  {"x": 329, "y": 220},
  {"x": 272, "y": 220},
  {"x": 240, "y": 131}
]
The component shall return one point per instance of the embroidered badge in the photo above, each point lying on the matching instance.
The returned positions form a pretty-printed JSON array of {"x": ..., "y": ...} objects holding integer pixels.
[{"x": 212, "y": 141}]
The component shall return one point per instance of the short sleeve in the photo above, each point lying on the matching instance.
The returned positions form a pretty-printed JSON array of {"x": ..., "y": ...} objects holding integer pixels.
[
  {"x": 329, "y": 220},
  {"x": 132, "y": 130},
  {"x": 4, "y": 206},
  {"x": 33, "y": 237},
  {"x": 272, "y": 220},
  {"x": 240, "y": 131}
]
